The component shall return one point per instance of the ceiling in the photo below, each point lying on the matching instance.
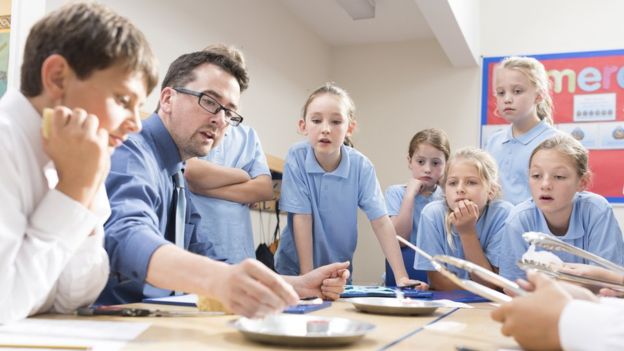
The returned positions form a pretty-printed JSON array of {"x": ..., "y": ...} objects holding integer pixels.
[{"x": 395, "y": 20}]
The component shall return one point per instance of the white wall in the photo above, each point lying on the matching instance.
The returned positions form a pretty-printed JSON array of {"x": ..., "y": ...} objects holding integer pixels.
[
  {"x": 539, "y": 27},
  {"x": 285, "y": 59}
]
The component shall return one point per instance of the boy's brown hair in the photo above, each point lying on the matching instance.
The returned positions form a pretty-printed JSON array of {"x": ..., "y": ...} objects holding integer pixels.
[{"x": 90, "y": 37}]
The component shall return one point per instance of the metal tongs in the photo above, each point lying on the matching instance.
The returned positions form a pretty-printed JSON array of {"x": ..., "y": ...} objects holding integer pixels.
[
  {"x": 438, "y": 262},
  {"x": 553, "y": 243},
  {"x": 550, "y": 242}
]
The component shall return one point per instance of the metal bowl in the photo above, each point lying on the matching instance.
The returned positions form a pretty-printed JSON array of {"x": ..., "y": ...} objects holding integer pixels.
[
  {"x": 382, "y": 305},
  {"x": 298, "y": 330}
]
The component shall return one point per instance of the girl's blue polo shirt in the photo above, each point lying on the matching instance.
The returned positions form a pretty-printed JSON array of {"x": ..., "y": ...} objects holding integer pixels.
[
  {"x": 432, "y": 234},
  {"x": 593, "y": 228},
  {"x": 394, "y": 199},
  {"x": 332, "y": 198},
  {"x": 512, "y": 155}
]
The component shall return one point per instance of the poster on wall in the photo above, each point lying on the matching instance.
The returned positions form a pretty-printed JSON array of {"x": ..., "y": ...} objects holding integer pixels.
[
  {"x": 5, "y": 28},
  {"x": 588, "y": 95}
]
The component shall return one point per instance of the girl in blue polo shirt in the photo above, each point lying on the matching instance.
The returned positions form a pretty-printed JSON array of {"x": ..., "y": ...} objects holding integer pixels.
[
  {"x": 469, "y": 223},
  {"x": 558, "y": 176},
  {"x": 428, "y": 152},
  {"x": 325, "y": 180},
  {"x": 522, "y": 92}
]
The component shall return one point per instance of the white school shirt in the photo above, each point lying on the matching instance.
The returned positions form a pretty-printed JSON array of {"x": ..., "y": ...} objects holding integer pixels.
[
  {"x": 394, "y": 199},
  {"x": 432, "y": 234},
  {"x": 512, "y": 155},
  {"x": 48, "y": 261},
  {"x": 590, "y": 326},
  {"x": 592, "y": 227}
]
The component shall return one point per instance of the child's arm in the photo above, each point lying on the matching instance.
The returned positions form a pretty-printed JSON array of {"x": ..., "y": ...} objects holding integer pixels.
[
  {"x": 384, "y": 230},
  {"x": 595, "y": 272},
  {"x": 254, "y": 190},
  {"x": 227, "y": 183},
  {"x": 404, "y": 221},
  {"x": 464, "y": 218},
  {"x": 432, "y": 239},
  {"x": 202, "y": 175},
  {"x": 440, "y": 282},
  {"x": 38, "y": 240},
  {"x": 326, "y": 282},
  {"x": 302, "y": 233}
]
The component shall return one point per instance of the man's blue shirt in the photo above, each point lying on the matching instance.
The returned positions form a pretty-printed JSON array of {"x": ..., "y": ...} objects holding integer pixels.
[{"x": 140, "y": 190}]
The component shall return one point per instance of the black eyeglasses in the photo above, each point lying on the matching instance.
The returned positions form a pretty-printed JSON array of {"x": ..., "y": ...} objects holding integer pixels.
[{"x": 211, "y": 105}]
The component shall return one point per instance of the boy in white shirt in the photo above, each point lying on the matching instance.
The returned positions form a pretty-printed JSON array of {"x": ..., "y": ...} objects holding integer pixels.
[{"x": 95, "y": 69}]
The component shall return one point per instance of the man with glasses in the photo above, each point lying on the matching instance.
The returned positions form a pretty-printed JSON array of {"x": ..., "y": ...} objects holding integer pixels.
[
  {"x": 233, "y": 175},
  {"x": 198, "y": 98}
]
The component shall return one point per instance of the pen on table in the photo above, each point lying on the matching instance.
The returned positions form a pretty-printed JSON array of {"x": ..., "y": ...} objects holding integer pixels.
[
  {"x": 464, "y": 348},
  {"x": 45, "y": 347}
]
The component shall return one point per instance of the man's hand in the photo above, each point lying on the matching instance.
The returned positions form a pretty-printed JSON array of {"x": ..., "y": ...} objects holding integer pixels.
[
  {"x": 533, "y": 320},
  {"x": 252, "y": 290},
  {"x": 326, "y": 282},
  {"x": 79, "y": 150}
]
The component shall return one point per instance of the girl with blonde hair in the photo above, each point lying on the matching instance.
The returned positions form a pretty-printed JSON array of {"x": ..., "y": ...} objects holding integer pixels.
[
  {"x": 522, "y": 92},
  {"x": 469, "y": 223}
]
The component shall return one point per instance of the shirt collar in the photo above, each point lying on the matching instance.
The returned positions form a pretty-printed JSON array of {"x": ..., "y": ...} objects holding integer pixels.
[
  {"x": 574, "y": 232},
  {"x": 435, "y": 195},
  {"x": 312, "y": 165},
  {"x": 27, "y": 118},
  {"x": 167, "y": 152},
  {"x": 529, "y": 136}
]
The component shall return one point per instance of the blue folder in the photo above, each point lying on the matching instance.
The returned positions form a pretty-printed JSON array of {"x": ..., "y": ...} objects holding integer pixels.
[
  {"x": 386, "y": 291},
  {"x": 381, "y": 291},
  {"x": 305, "y": 308},
  {"x": 458, "y": 296}
]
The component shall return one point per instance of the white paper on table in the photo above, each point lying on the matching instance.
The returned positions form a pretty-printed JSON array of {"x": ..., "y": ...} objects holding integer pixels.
[
  {"x": 98, "y": 335},
  {"x": 446, "y": 326},
  {"x": 452, "y": 304}
]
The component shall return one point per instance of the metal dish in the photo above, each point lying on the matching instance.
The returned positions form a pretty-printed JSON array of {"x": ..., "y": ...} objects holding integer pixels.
[
  {"x": 382, "y": 305},
  {"x": 297, "y": 330}
]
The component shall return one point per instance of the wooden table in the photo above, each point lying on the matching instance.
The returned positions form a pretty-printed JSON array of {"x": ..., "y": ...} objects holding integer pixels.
[{"x": 444, "y": 330}]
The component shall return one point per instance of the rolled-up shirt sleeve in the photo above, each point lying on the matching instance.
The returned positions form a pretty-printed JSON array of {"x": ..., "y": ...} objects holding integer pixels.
[{"x": 132, "y": 231}]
